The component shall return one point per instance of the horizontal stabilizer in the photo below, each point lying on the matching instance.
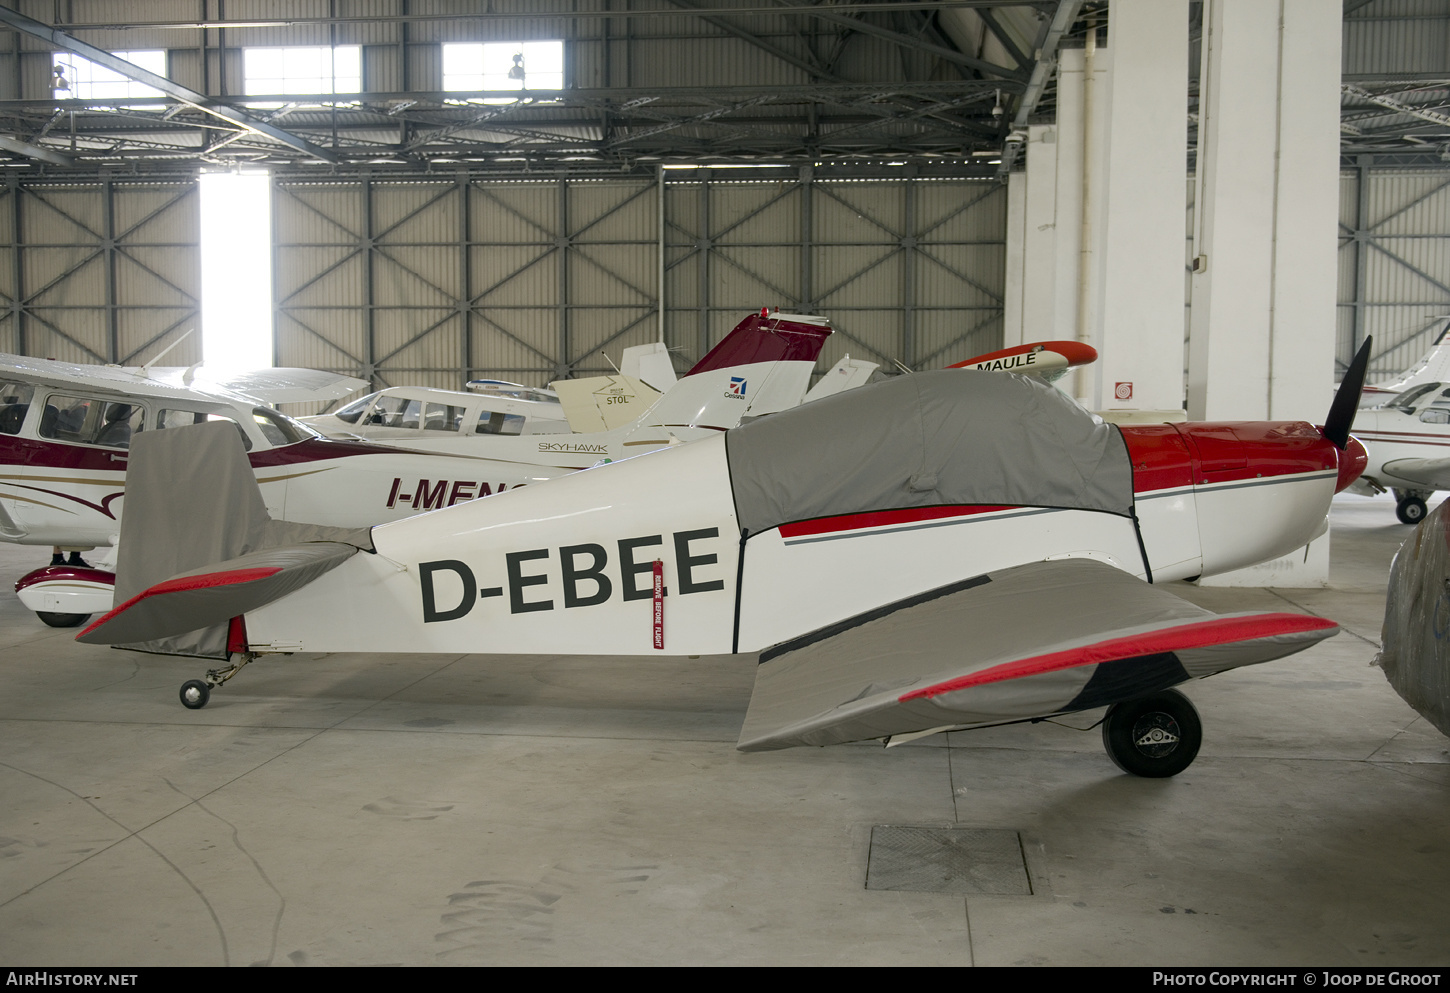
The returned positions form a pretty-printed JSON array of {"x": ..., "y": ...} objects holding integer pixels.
[
  {"x": 1045, "y": 638},
  {"x": 217, "y": 593}
]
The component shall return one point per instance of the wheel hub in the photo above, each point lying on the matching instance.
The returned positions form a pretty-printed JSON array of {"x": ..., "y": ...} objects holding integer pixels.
[{"x": 1156, "y": 735}]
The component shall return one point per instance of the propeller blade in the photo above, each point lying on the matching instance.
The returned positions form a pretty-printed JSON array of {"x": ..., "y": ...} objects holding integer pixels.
[{"x": 1346, "y": 402}]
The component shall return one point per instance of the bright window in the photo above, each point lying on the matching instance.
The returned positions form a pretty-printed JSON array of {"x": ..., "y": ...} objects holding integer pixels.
[
  {"x": 89, "y": 81},
  {"x": 506, "y": 65},
  {"x": 305, "y": 71},
  {"x": 236, "y": 271}
]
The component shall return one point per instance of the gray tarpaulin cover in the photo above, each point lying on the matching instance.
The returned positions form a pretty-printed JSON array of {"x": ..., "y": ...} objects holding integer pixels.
[
  {"x": 1416, "y": 635},
  {"x": 943, "y": 438},
  {"x": 1057, "y": 636},
  {"x": 192, "y": 504}
]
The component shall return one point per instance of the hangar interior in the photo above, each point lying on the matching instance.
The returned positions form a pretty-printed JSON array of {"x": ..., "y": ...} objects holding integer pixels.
[{"x": 1225, "y": 197}]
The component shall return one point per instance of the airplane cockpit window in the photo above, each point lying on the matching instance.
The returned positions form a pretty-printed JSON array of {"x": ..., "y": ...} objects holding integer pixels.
[
  {"x": 441, "y": 417},
  {"x": 354, "y": 410},
  {"x": 14, "y": 403},
  {"x": 1406, "y": 401},
  {"x": 1435, "y": 414},
  {"x": 185, "y": 418},
  {"x": 85, "y": 421},
  {"x": 279, "y": 429},
  {"x": 494, "y": 422}
]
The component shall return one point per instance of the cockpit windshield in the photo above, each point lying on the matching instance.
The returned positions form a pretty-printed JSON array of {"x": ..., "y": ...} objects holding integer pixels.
[
  {"x": 1410, "y": 399},
  {"x": 279, "y": 429},
  {"x": 354, "y": 410}
]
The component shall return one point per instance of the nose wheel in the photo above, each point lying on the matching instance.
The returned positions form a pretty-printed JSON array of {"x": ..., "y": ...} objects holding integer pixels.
[
  {"x": 1411, "y": 510},
  {"x": 196, "y": 692},
  {"x": 1156, "y": 736}
]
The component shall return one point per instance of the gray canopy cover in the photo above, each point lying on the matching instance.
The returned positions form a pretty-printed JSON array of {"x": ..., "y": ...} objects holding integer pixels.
[
  {"x": 195, "y": 486},
  {"x": 944, "y": 438}
]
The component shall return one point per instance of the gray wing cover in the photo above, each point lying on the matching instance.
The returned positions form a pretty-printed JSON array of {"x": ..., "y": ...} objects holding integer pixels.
[
  {"x": 192, "y": 501},
  {"x": 1038, "y": 639},
  {"x": 943, "y": 438},
  {"x": 1416, "y": 654}
]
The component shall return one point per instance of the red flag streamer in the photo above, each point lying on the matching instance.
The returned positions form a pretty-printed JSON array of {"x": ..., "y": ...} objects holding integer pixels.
[{"x": 659, "y": 611}]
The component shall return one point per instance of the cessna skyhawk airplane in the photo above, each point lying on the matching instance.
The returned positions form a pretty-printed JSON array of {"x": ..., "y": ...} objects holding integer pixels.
[
  {"x": 937, "y": 551},
  {"x": 65, "y": 431}
]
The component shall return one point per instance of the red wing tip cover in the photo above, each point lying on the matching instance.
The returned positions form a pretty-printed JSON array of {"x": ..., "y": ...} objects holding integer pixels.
[
  {"x": 205, "y": 597},
  {"x": 1031, "y": 641},
  {"x": 1239, "y": 629}
]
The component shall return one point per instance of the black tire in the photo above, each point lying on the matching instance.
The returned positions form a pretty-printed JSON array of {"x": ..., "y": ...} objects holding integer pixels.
[
  {"x": 194, "y": 694},
  {"x": 61, "y": 620},
  {"x": 1156, "y": 736},
  {"x": 1411, "y": 510}
]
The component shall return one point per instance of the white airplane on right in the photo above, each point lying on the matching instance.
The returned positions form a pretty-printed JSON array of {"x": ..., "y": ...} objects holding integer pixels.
[
  {"x": 1408, "y": 440},
  {"x": 1433, "y": 367}
]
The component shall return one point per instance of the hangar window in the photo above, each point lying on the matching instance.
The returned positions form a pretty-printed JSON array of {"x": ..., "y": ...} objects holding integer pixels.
[
  {"x": 506, "y": 65},
  {"x": 86, "y": 80},
  {"x": 303, "y": 70}
]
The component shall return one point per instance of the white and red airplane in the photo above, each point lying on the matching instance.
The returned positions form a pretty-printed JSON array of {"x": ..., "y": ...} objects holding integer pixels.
[
  {"x": 1048, "y": 360},
  {"x": 942, "y": 550},
  {"x": 65, "y": 432},
  {"x": 1409, "y": 448}
]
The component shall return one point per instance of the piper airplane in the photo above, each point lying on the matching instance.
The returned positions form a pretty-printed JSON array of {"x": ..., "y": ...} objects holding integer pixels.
[
  {"x": 942, "y": 550},
  {"x": 65, "y": 432},
  {"x": 1409, "y": 448}
]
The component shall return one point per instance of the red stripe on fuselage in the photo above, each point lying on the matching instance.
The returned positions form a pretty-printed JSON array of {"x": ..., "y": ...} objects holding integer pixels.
[
  {"x": 882, "y": 518},
  {"x": 1200, "y": 634}
]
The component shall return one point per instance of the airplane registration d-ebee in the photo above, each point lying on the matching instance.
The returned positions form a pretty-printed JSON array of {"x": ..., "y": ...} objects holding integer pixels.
[
  {"x": 941, "y": 550},
  {"x": 66, "y": 430}
]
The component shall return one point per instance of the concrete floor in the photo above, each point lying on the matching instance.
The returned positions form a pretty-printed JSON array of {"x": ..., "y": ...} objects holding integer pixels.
[{"x": 331, "y": 810}]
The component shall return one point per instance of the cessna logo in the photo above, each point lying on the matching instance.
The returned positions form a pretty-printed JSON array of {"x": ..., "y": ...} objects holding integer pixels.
[
  {"x": 737, "y": 389},
  {"x": 430, "y": 495},
  {"x": 570, "y": 446},
  {"x": 1009, "y": 363},
  {"x": 569, "y": 576}
]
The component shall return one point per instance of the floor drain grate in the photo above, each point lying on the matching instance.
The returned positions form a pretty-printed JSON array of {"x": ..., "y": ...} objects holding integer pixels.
[{"x": 947, "y": 860}]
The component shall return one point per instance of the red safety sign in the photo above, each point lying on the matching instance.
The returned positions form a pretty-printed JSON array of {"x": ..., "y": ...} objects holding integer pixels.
[{"x": 659, "y": 609}]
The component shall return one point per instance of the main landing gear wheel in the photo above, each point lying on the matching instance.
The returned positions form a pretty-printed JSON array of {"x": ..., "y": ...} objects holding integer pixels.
[
  {"x": 1411, "y": 510},
  {"x": 194, "y": 694},
  {"x": 1156, "y": 736},
  {"x": 61, "y": 620}
]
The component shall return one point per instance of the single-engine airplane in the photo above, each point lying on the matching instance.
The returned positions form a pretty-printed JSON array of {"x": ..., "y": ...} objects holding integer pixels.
[
  {"x": 941, "y": 550},
  {"x": 65, "y": 431},
  {"x": 1433, "y": 367},
  {"x": 1409, "y": 448}
]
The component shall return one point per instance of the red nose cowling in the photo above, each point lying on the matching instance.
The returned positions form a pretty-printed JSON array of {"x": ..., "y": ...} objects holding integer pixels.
[{"x": 1351, "y": 463}]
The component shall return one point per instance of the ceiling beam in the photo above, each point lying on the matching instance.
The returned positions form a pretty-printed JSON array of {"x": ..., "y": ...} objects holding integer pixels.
[
  {"x": 182, "y": 94},
  {"x": 35, "y": 152}
]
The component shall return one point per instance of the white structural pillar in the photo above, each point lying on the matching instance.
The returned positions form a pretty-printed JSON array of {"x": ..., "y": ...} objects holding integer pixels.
[
  {"x": 1262, "y": 295},
  {"x": 1262, "y": 320},
  {"x": 1031, "y": 310},
  {"x": 1141, "y": 266}
]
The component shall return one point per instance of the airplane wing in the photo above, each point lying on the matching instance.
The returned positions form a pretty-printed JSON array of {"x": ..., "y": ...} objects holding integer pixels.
[
  {"x": 1431, "y": 473},
  {"x": 284, "y": 385},
  {"x": 1048, "y": 637}
]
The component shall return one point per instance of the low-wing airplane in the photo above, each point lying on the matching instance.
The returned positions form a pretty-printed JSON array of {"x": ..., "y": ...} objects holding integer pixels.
[
  {"x": 937, "y": 551},
  {"x": 491, "y": 407},
  {"x": 65, "y": 431},
  {"x": 1409, "y": 448}
]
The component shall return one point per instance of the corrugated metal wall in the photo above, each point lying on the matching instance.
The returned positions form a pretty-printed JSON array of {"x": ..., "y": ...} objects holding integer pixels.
[
  {"x": 99, "y": 272},
  {"x": 436, "y": 281},
  {"x": 1394, "y": 264}
]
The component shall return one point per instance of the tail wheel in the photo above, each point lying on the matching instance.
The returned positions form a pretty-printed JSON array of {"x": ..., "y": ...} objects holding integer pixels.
[
  {"x": 194, "y": 694},
  {"x": 1156, "y": 736},
  {"x": 1411, "y": 510}
]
